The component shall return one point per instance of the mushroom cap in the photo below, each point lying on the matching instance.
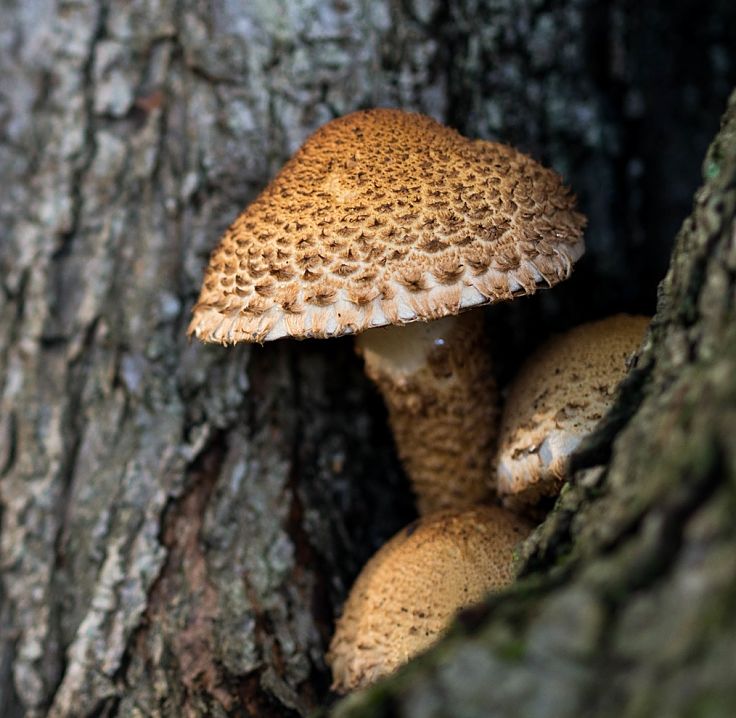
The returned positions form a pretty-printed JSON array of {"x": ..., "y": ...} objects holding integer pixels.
[
  {"x": 408, "y": 593},
  {"x": 386, "y": 217},
  {"x": 556, "y": 399}
]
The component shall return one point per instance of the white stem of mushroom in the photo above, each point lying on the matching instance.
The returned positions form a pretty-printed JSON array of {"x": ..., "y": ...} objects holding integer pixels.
[{"x": 437, "y": 381}]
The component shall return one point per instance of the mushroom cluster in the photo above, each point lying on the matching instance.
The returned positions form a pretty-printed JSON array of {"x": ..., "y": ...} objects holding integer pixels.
[
  {"x": 397, "y": 608},
  {"x": 389, "y": 225}
]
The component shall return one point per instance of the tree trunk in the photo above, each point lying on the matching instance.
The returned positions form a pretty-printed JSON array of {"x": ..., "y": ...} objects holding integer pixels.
[{"x": 180, "y": 523}]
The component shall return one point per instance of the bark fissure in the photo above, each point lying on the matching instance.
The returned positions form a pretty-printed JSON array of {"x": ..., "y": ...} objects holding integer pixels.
[{"x": 88, "y": 145}]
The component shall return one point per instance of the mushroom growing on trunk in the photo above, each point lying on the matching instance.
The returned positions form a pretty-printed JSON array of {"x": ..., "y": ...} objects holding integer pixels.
[
  {"x": 408, "y": 593},
  {"x": 386, "y": 217},
  {"x": 557, "y": 398}
]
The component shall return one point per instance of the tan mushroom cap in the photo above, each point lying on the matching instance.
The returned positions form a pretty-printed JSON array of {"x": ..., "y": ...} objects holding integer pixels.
[
  {"x": 386, "y": 217},
  {"x": 408, "y": 593},
  {"x": 556, "y": 399}
]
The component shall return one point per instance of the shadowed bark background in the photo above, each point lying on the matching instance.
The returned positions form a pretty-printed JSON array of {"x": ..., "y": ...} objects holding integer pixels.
[{"x": 180, "y": 523}]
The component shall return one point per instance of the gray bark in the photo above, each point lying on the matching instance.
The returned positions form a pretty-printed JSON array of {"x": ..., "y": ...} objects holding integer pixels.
[{"x": 180, "y": 523}]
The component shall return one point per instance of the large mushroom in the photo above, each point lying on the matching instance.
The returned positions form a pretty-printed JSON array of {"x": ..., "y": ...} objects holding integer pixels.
[{"x": 386, "y": 217}]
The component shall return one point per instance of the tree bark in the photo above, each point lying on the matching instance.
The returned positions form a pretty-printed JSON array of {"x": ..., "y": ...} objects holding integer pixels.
[{"x": 179, "y": 524}]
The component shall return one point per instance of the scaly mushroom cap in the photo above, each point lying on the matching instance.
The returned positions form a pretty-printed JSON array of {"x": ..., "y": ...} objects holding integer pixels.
[
  {"x": 408, "y": 593},
  {"x": 556, "y": 399},
  {"x": 385, "y": 217}
]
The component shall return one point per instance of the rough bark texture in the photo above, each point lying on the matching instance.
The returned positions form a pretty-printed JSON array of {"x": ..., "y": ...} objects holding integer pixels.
[
  {"x": 180, "y": 523},
  {"x": 627, "y": 608}
]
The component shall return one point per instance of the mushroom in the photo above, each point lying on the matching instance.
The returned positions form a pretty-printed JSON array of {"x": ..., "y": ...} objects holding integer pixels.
[
  {"x": 386, "y": 217},
  {"x": 555, "y": 400},
  {"x": 407, "y": 594}
]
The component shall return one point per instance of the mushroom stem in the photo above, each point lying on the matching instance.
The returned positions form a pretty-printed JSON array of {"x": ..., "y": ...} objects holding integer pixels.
[{"x": 437, "y": 381}]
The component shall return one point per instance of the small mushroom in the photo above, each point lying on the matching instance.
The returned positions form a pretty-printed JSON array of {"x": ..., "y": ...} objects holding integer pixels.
[
  {"x": 386, "y": 217},
  {"x": 408, "y": 593},
  {"x": 555, "y": 400}
]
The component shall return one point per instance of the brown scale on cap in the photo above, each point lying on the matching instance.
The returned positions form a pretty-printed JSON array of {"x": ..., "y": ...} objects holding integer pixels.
[
  {"x": 408, "y": 593},
  {"x": 385, "y": 217},
  {"x": 556, "y": 399}
]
